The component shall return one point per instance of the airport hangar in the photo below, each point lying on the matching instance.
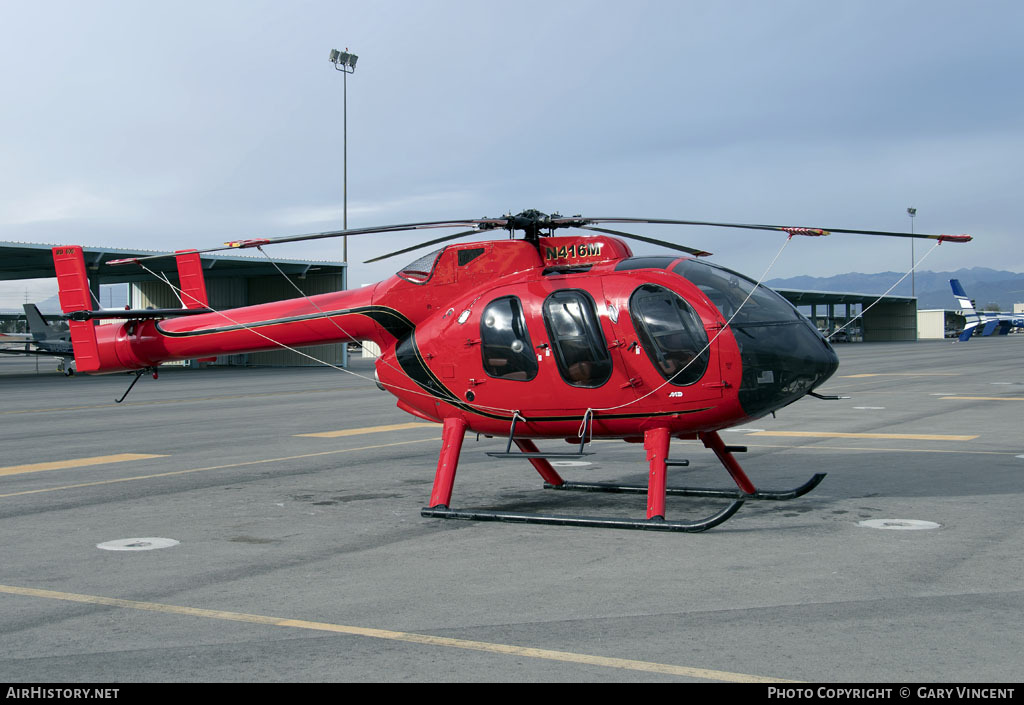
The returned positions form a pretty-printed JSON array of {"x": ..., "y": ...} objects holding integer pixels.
[{"x": 234, "y": 281}]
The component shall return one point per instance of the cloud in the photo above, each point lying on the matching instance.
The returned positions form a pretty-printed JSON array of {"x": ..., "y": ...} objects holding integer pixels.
[
  {"x": 368, "y": 212},
  {"x": 66, "y": 202}
]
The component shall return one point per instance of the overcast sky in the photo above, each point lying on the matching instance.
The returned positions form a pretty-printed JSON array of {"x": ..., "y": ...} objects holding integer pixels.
[{"x": 162, "y": 126}]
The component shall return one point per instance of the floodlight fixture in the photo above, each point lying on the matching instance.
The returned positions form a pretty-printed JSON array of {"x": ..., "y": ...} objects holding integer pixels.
[{"x": 343, "y": 61}]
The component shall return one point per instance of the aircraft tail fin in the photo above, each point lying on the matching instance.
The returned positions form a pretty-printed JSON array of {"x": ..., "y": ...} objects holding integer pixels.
[
  {"x": 967, "y": 306},
  {"x": 193, "y": 283},
  {"x": 73, "y": 285},
  {"x": 190, "y": 275},
  {"x": 37, "y": 325}
]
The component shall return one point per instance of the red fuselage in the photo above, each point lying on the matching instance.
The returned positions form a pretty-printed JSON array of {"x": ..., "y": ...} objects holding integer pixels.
[{"x": 549, "y": 331}]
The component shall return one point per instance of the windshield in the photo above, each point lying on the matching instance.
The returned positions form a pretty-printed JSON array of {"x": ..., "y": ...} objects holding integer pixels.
[{"x": 728, "y": 290}]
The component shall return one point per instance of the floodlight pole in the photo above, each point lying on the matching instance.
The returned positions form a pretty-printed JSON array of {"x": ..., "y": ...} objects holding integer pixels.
[
  {"x": 913, "y": 289},
  {"x": 346, "y": 63}
]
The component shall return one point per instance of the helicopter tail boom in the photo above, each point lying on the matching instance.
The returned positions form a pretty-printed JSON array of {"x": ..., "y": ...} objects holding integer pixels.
[{"x": 146, "y": 338}]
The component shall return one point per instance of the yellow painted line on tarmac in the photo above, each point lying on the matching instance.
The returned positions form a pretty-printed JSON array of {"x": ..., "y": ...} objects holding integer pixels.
[
  {"x": 408, "y": 637},
  {"x": 902, "y": 374},
  {"x": 212, "y": 467},
  {"x": 886, "y": 436},
  {"x": 859, "y": 449},
  {"x": 75, "y": 463},
  {"x": 882, "y": 450},
  {"x": 369, "y": 429},
  {"x": 183, "y": 400},
  {"x": 986, "y": 398}
]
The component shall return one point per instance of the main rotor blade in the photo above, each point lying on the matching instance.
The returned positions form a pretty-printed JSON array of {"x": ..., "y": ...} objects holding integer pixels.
[
  {"x": 663, "y": 243},
  {"x": 534, "y": 221},
  {"x": 491, "y": 222},
  {"x": 481, "y": 224},
  {"x": 792, "y": 230},
  {"x": 446, "y": 238}
]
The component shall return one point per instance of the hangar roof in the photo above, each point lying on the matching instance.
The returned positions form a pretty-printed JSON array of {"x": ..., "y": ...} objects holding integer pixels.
[
  {"x": 800, "y": 297},
  {"x": 25, "y": 260}
]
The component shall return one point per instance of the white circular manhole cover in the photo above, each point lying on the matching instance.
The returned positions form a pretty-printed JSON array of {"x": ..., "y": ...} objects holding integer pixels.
[
  {"x": 902, "y": 524},
  {"x": 570, "y": 463},
  {"x": 147, "y": 544}
]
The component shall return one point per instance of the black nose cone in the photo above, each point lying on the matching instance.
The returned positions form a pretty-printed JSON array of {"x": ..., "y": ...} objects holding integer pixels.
[{"x": 781, "y": 363}]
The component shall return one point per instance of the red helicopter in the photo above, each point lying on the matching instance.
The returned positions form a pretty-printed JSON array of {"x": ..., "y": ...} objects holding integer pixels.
[{"x": 538, "y": 337}]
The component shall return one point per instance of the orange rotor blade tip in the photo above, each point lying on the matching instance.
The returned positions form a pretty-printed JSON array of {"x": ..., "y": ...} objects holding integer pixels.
[
  {"x": 247, "y": 243},
  {"x": 808, "y": 232},
  {"x": 955, "y": 238}
]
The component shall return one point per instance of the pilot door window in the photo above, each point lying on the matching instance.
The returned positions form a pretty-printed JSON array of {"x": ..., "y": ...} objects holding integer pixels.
[
  {"x": 579, "y": 346},
  {"x": 670, "y": 333},
  {"x": 505, "y": 342}
]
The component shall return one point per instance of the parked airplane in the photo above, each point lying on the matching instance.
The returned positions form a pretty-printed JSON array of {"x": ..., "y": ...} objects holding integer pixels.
[
  {"x": 42, "y": 339},
  {"x": 989, "y": 320}
]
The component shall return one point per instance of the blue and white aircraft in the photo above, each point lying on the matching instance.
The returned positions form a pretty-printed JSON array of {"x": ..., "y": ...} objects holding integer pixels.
[{"x": 990, "y": 320}]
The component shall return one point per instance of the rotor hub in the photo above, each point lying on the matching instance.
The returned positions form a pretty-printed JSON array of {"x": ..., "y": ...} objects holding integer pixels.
[{"x": 532, "y": 222}]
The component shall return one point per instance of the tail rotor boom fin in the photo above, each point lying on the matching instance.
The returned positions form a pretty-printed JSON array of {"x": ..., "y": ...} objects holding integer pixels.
[
  {"x": 190, "y": 274},
  {"x": 73, "y": 285}
]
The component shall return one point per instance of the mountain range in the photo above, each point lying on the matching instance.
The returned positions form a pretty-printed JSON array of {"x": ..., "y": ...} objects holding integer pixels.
[{"x": 988, "y": 287}]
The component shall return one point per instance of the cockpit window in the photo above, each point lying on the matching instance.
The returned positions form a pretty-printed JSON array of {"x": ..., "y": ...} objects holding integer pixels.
[
  {"x": 671, "y": 333},
  {"x": 728, "y": 290},
  {"x": 420, "y": 271},
  {"x": 579, "y": 345},
  {"x": 505, "y": 341}
]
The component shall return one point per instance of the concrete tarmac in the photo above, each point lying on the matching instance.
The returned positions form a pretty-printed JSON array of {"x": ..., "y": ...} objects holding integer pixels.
[{"x": 304, "y": 558}]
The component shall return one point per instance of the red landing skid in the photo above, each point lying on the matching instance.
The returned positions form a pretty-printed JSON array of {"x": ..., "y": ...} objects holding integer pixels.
[{"x": 656, "y": 442}]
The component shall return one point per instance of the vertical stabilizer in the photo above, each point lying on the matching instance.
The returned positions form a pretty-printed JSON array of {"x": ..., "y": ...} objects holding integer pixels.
[
  {"x": 190, "y": 274},
  {"x": 967, "y": 307},
  {"x": 73, "y": 285},
  {"x": 37, "y": 325},
  {"x": 193, "y": 283}
]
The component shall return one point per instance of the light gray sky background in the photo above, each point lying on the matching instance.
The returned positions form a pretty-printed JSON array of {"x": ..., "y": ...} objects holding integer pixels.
[{"x": 169, "y": 125}]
